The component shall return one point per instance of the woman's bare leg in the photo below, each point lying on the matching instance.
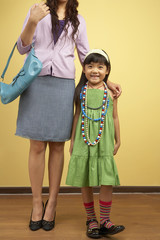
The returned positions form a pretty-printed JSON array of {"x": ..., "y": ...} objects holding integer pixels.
[
  {"x": 36, "y": 173},
  {"x": 55, "y": 168}
]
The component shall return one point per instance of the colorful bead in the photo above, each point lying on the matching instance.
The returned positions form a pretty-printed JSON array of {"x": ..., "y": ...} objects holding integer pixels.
[{"x": 105, "y": 105}]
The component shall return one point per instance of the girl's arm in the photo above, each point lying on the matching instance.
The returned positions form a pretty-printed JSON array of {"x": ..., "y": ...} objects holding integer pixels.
[
  {"x": 75, "y": 120},
  {"x": 37, "y": 12},
  {"x": 116, "y": 126},
  {"x": 115, "y": 88}
]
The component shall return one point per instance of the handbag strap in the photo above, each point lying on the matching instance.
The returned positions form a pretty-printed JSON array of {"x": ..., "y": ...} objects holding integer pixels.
[{"x": 9, "y": 59}]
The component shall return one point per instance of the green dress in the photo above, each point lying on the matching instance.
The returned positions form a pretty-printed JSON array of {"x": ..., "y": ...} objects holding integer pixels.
[{"x": 94, "y": 165}]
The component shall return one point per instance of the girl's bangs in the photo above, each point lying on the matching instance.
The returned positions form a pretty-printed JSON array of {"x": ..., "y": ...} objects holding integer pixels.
[{"x": 96, "y": 58}]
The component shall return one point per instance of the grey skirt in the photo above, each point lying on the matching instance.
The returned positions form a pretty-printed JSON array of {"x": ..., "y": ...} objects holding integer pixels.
[{"x": 46, "y": 110}]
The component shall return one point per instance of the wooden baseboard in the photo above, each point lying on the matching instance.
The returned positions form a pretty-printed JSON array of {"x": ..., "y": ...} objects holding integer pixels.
[{"x": 68, "y": 190}]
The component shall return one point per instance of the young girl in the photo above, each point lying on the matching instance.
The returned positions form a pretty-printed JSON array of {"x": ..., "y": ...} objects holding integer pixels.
[{"x": 95, "y": 127}]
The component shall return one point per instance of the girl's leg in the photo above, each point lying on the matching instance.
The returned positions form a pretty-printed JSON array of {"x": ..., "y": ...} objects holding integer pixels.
[
  {"x": 36, "y": 173},
  {"x": 105, "y": 202},
  {"x": 55, "y": 168},
  {"x": 106, "y": 193},
  {"x": 87, "y": 196}
]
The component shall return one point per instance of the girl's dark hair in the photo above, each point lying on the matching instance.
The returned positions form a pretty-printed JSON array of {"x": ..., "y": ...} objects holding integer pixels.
[
  {"x": 71, "y": 15},
  {"x": 95, "y": 58}
]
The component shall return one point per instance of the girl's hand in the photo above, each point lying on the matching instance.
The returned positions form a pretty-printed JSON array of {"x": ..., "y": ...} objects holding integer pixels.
[
  {"x": 71, "y": 147},
  {"x": 116, "y": 147},
  {"x": 116, "y": 89},
  {"x": 38, "y": 12}
]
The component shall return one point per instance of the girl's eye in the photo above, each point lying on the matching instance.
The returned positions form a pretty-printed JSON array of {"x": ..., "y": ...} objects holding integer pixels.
[
  {"x": 100, "y": 67},
  {"x": 89, "y": 66}
]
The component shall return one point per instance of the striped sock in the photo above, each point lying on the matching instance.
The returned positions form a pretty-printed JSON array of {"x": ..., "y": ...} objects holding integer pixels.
[
  {"x": 105, "y": 209},
  {"x": 91, "y": 214}
]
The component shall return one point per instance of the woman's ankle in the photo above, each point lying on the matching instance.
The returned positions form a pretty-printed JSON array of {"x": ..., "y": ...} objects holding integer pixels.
[{"x": 37, "y": 200}]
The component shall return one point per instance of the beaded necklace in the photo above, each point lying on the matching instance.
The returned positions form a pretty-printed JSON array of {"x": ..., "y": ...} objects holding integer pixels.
[{"x": 105, "y": 105}]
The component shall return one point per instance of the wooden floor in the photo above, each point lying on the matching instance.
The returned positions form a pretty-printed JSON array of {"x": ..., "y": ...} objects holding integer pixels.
[{"x": 139, "y": 213}]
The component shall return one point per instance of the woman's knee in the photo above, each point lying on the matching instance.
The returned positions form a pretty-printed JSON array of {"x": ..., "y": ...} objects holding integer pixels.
[
  {"x": 56, "y": 146},
  {"x": 37, "y": 146}
]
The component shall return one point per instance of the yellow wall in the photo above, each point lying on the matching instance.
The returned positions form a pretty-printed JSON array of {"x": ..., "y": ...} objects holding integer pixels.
[{"x": 129, "y": 31}]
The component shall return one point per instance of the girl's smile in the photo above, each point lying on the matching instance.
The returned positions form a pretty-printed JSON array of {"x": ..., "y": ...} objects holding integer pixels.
[{"x": 95, "y": 72}]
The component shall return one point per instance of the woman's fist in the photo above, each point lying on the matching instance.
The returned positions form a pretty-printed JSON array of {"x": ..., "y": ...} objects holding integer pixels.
[{"x": 38, "y": 12}]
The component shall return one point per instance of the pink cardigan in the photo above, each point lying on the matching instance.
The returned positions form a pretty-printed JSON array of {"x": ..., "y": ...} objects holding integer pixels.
[{"x": 59, "y": 56}]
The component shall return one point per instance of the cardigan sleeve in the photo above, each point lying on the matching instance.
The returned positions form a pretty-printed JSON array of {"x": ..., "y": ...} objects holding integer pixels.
[
  {"x": 24, "y": 49},
  {"x": 82, "y": 44}
]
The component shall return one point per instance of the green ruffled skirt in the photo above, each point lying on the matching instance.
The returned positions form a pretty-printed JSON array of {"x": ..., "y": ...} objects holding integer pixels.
[{"x": 94, "y": 165}]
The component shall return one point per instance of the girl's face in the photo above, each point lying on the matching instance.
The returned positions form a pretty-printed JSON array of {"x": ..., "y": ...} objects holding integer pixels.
[{"x": 95, "y": 72}]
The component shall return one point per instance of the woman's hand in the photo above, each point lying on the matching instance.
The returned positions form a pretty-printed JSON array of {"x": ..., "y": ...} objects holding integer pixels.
[
  {"x": 116, "y": 147},
  {"x": 116, "y": 89},
  {"x": 38, "y": 12}
]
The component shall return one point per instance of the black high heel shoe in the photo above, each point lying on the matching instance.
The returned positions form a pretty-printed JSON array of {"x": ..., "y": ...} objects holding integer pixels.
[
  {"x": 48, "y": 225},
  {"x": 35, "y": 225}
]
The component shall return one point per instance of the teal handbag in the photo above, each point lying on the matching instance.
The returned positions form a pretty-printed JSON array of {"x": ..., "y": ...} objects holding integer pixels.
[{"x": 30, "y": 70}]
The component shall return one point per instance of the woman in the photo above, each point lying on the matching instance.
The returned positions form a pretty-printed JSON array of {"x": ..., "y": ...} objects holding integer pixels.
[{"x": 46, "y": 107}]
